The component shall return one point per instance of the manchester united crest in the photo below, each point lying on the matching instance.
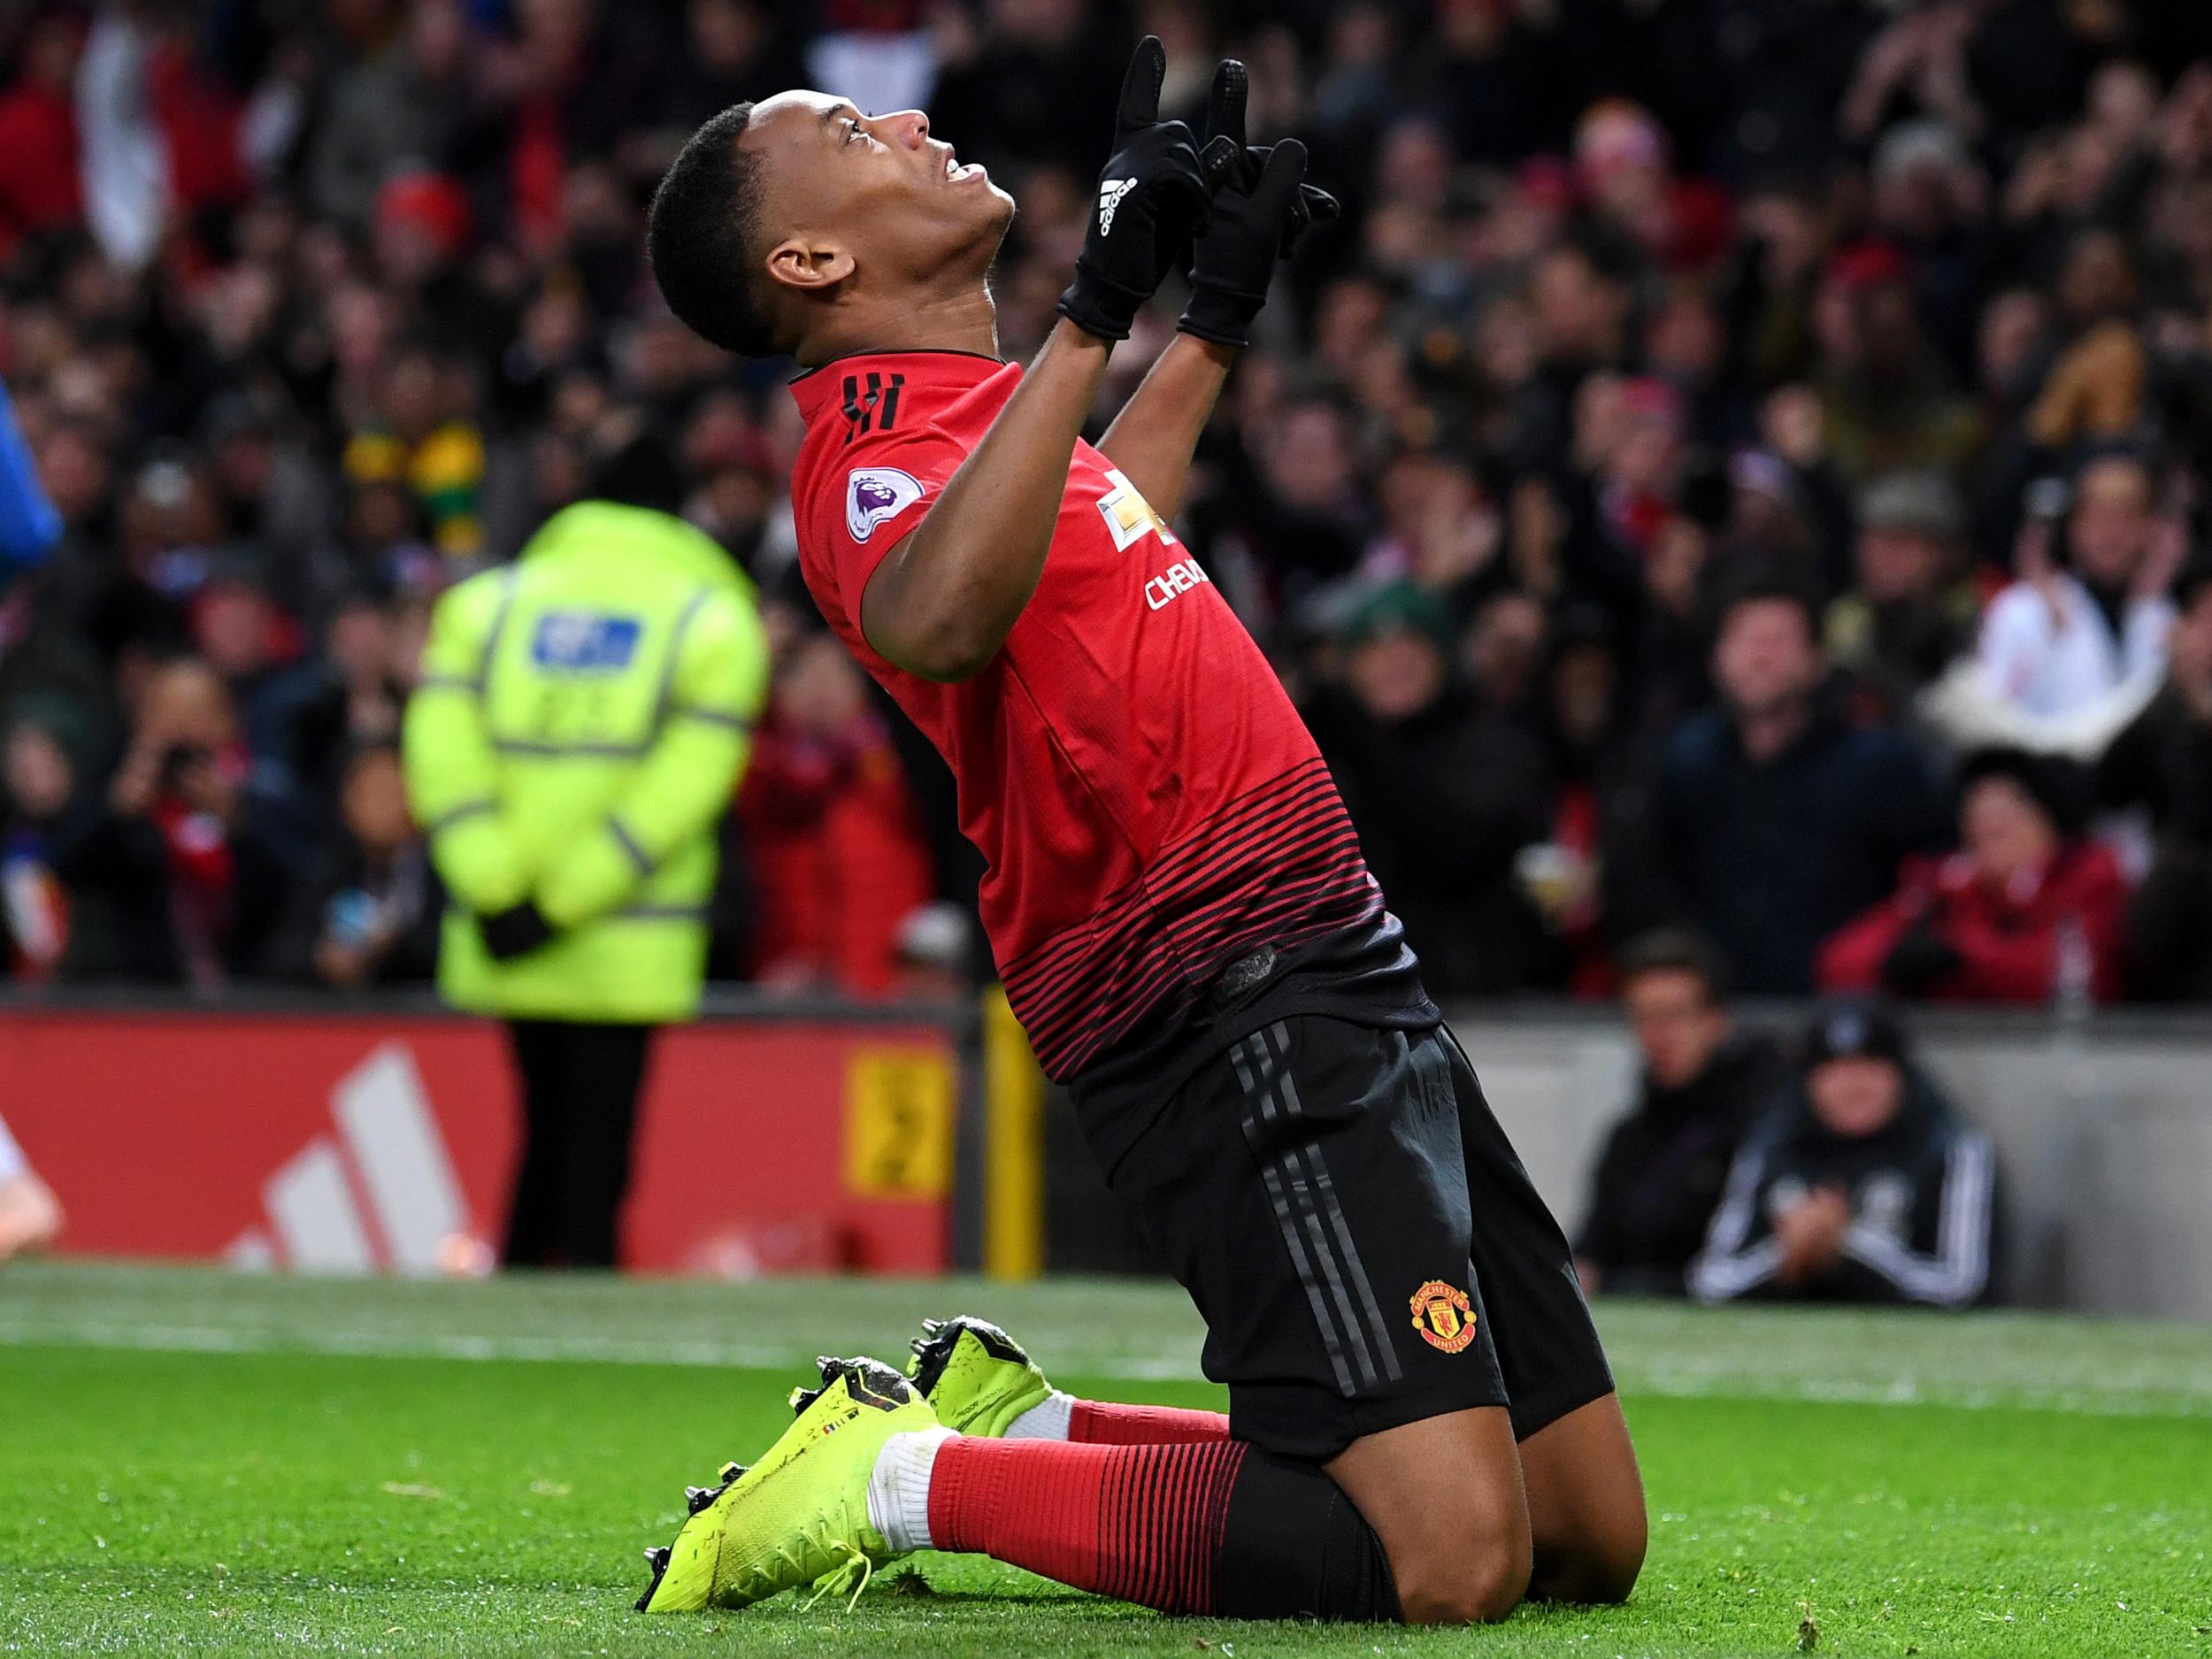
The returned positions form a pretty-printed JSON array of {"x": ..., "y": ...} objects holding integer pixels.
[{"x": 1443, "y": 1315}]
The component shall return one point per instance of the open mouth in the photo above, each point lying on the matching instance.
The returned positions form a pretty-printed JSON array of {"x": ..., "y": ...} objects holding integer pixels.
[{"x": 955, "y": 171}]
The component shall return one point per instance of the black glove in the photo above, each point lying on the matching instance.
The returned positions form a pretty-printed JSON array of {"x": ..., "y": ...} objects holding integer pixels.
[
  {"x": 1152, "y": 198},
  {"x": 1921, "y": 960},
  {"x": 1261, "y": 208},
  {"x": 514, "y": 931}
]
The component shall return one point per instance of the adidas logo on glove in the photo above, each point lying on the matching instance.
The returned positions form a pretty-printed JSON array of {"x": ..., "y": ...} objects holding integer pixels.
[{"x": 1110, "y": 193}]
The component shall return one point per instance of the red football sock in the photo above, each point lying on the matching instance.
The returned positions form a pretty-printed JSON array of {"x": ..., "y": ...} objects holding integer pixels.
[
  {"x": 1141, "y": 1523},
  {"x": 1101, "y": 1423},
  {"x": 1220, "y": 1528}
]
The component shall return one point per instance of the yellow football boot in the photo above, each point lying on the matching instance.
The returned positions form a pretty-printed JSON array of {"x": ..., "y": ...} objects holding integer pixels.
[
  {"x": 976, "y": 1378},
  {"x": 800, "y": 1514}
]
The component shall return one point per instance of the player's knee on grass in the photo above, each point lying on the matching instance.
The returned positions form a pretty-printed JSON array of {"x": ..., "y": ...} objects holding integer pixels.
[
  {"x": 1444, "y": 1496},
  {"x": 1601, "y": 1565},
  {"x": 1585, "y": 1504},
  {"x": 1463, "y": 1576}
]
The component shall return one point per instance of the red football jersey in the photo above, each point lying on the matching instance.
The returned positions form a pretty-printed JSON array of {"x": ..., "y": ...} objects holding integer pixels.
[{"x": 1151, "y": 805}]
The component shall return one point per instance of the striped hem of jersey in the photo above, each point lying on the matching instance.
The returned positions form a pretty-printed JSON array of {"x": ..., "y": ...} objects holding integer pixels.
[{"x": 1280, "y": 866}]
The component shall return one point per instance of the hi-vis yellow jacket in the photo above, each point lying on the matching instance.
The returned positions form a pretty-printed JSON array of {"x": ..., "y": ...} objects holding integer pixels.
[{"x": 582, "y": 718}]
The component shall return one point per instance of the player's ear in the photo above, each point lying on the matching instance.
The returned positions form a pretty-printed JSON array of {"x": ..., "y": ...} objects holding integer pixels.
[{"x": 808, "y": 263}]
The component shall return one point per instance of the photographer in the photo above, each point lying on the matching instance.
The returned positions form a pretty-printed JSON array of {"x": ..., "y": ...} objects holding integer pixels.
[{"x": 190, "y": 886}]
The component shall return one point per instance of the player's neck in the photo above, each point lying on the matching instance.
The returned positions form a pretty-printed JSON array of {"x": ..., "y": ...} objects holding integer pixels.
[{"x": 965, "y": 320}]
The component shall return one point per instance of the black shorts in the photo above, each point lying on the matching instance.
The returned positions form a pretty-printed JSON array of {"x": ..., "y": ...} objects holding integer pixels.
[{"x": 1361, "y": 1239}]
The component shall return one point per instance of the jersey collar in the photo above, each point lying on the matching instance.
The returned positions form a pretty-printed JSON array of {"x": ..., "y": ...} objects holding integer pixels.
[{"x": 822, "y": 390}]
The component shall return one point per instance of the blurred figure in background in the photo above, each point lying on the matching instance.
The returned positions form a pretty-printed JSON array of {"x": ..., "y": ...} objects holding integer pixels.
[
  {"x": 2027, "y": 909},
  {"x": 29, "y": 527},
  {"x": 1777, "y": 821},
  {"x": 2087, "y": 620},
  {"x": 181, "y": 865},
  {"x": 30, "y": 1217},
  {"x": 832, "y": 830},
  {"x": 2162, "y": 767},
  {"x": 371, "y": 915},
  {"x": 1910, "y": 611},
  {"x": 580, "y": 726},
  {"x": 40, "y": 795},
  {"x": 1659, "y": 1178},
  {"x": 1445, "y": 797},
  {"x": 1862, "y": 1186}
]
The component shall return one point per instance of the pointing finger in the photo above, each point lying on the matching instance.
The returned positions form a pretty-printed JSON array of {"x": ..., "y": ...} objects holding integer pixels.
[
  {"x": 1140, "y": 88},
  {"x": 1224, "y": 106}
]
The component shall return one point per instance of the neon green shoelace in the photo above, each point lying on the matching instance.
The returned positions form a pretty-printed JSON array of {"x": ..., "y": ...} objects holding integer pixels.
[{"x": 852, "y": 1573}]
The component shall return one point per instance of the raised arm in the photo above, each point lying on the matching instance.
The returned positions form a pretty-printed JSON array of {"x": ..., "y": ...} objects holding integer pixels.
[
  {"x": 945, "y": 597},
  {"x": 1154, "y": 437}
]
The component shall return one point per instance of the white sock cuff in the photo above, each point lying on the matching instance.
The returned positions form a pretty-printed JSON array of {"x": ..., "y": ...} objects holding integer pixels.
[
  {"x": 898, "y": 1488},
  {"x": 1045, "y": 1421}
]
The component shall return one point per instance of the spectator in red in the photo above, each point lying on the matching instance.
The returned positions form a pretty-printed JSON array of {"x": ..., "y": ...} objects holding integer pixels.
[
  {"x": 2025, "y": 905},
  {"x": 41, "y": 187},
  {"x": 832, "y": 835},
  {"x": 1620, "y": 159}
]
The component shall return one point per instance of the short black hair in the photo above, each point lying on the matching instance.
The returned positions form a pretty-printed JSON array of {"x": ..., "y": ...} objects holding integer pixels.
[
  {"x": 1768, "y": 581},
  {"x": 702, "y": 237},
  {"x": 2061, "y": 789},
  {"x": 1675, "y": 950}
]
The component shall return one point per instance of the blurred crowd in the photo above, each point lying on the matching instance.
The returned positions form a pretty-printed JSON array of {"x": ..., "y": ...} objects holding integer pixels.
[{"x": 1737, "y": 465}]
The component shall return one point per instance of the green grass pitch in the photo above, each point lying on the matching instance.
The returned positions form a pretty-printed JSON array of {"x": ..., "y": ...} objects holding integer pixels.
[{"x": 193, "y": 1463}]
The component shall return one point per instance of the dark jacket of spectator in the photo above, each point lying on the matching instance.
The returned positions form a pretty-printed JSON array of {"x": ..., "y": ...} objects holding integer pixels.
[
  {"x": 1443, "y": 802},
  {"x": 2161, "y": 765},
  {"x": 1443, "y": 798},
  {"x": 176, "y": 863},
  {"x": 372, "y": 914},
  {"x": 2161, "y": 761},
  {"x": 1659, "y": 1178},
  {"x": 1770, "y": 859},
  {"x": 1912, "y": 1196},
  {"x": 176, "y": 902}
]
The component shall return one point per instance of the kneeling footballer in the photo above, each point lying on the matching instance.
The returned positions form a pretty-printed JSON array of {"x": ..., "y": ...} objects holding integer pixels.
[{"x": 1422, "y": 1425}]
